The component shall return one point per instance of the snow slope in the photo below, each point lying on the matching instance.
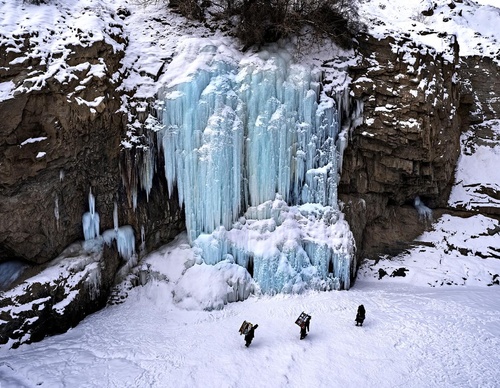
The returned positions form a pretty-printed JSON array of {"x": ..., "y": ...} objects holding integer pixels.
[
  {"x": 475, "y": 26},
  {"x": 413, "y": 336}
]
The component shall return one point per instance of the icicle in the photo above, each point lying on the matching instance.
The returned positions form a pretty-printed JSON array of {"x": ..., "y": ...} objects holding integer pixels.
[
  {"x": 134, "y": 197},
  {"x": 357, "y": 116},
  {"x": 56, "y": 211},
  {"x": 90, "y": 220},
  {"x": 91, "y": 203},
  {"x": 350, "y": 116},
  {"x": 143, "y": 240},
  {"x": 93, "y": 282},
  {"x": 147, "y": 162},
  {"x": 115, "y": 217},
  {"x": 125, "y": 241},
  {"x": 424, "y": 212}
]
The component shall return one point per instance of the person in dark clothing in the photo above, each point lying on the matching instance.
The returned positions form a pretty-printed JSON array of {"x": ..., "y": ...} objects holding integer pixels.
[
  {"x": 249, "y": 336},
  {"x": 360, "y": 316},
  {"x": 304, "y": 329}
]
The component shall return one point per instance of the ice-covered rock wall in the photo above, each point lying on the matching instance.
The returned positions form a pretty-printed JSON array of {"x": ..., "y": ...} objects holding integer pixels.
[{"x": 239, "y": 133}]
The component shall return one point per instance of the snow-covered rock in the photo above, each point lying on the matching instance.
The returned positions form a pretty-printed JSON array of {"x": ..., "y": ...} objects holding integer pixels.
[{"x": 75, "y": 284}]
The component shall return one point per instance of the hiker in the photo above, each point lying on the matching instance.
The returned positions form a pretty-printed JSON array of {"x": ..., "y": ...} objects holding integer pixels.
[
  {"x": 304, "y": 327},
  {"x": 249, "y": 336},
  {"x": 360, "y": 316},
  {"x": 303, "y": 331}
]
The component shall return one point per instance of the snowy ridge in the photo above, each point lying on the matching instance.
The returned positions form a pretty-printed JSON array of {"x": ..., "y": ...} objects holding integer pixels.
[
  {"x": 77, "y": 270},
  {"x": 456, "y": 251},
  {"x": 473, "y": 24},
  {"x": 51, "y": 30}
]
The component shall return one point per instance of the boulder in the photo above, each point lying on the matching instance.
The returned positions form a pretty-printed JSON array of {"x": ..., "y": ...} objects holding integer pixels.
[{"x": 60, "y": 295}]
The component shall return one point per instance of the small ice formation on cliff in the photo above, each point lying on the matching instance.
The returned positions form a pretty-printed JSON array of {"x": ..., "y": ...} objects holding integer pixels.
[
  {"x": 90, "y": 220},
  {"x": 424, "y": 212}
]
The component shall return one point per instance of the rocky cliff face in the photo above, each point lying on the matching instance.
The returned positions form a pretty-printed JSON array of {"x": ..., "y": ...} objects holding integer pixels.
[
  {"x": 408, "y": 144},
  {"x": 59, "y": 140},
  {"x": 480, "y": 78},
  {"x": 55, "y": 149}
]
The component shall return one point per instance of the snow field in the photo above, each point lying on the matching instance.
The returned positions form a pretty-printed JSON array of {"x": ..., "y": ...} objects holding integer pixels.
[{"x": 412, "y": 336}]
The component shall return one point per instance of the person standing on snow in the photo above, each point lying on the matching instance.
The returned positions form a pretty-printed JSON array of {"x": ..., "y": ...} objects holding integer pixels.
[
  {"x": 304, "y": 327},
  {"x": 360, "y": 316},
  {"x": 249, "y": 336}
]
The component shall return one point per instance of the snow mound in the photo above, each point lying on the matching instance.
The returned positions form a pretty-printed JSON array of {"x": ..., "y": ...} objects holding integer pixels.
[{"x": 210, "y": 287}]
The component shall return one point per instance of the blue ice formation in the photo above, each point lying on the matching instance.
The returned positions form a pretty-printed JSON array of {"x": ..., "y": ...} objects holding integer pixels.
[
  {"x": 125, "y": 240},
  {"x": 286, "y": 248},
  {"x": 242, "y": 140},
  {"x": 424, "y": 212},
  {"x": 90, "y": 220},
  {"x": 124, "y": 235},
  {"x": 10, "y": 271}
]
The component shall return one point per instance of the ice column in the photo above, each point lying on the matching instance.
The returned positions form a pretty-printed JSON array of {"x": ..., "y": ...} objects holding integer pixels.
[
  {"x": 125, "y": 241},
  {"x": 123, "y": 235},
  {"x": 424, "y": 212},
  {"x": 90, "y": 220},
  {"x": 115, "y": 217},
  {"x": 56, "y": 210},
  {"x": 203, "y": 143},
  {"x": 235, "y": 134}
]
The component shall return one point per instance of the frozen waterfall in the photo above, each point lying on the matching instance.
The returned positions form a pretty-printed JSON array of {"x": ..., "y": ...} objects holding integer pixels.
[{"x": 250, "y": 144}]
